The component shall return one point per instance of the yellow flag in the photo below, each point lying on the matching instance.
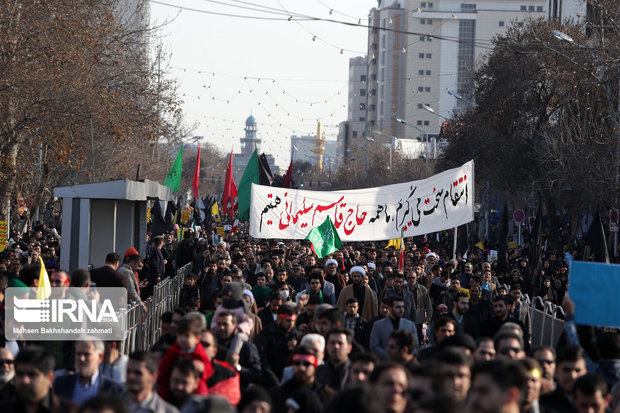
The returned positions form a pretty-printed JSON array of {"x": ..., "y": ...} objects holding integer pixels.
[
  {"x": 45, "y": 288},
  {"x": 480, "y": 245},
  {"x": 394, "y": 243},
  {"x": 215, "y": 210}
]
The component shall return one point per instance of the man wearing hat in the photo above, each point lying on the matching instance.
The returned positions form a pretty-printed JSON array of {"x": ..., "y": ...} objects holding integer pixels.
[
  {"x": 365, "y": 295},
  {"x": 333, "y": 276}
]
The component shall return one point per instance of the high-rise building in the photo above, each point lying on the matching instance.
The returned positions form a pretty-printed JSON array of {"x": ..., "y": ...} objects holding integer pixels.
[
  {"x": 410, "y": 73},
  {"x": 387, "y": 70}
]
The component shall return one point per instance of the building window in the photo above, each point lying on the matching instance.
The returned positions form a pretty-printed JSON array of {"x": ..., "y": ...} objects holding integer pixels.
[
  {"x": 428, "y": 73},
  {"x": 501, "y": 23},
  {"x": 382, "y": 77},
  {"x": 373, "y": 92},
  {"x": 420, "y": 106},
  {"x": 420, "y": 89},
  {"x": 429, "y": 39},
  {"x": 419, "y": 123},
  {"x": 362, "y": 92},
  {"x": 422, "y": 38},
  {"x": 429, "y": 21},
  {"x": 373, "y": 123},
  {"x": 430, "y": 4},
  {"x": 363, "y": 78},
  {"x": 422, "y": 21},
  {"x": 427, "y": 89},
  {"x": 423, "y": 4},
  {"x": 428, "y": 55},
  {"x": 532, "y": 8},
  {"x": 426, "y": 123},
  {"x": 373, "y": 77},
  {"x": 421, "y": 55},
  {"x": 354, "y": 134},
  {"x": 383, "y": 42},
  {"x": 382, "y": 58},
  {"x": 523, "y": 8},
  {"x": 421, "y": 72},
  {"x": 539, "y": 8},
  {"x": 362, "y": 119},
  {"x": 381, "y": 94},
  {"x": 373, "y": 108}
]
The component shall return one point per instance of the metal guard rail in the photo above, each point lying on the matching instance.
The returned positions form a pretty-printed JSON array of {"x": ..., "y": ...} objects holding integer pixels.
[{"x": 143, "y": 327}]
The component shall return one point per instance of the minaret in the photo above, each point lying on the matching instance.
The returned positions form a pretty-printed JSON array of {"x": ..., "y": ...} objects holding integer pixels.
[
  {"x": 318, "y": 149},
  {"x": 251, "y": 140}
]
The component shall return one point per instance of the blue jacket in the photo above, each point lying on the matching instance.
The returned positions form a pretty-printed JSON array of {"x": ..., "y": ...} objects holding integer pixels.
[{"x": 65, "y": 385}]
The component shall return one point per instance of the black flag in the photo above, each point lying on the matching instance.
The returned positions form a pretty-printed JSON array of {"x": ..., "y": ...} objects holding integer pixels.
[
  {"x": 595, "y": 238},
  {"x": 264, "y": 172},
  {"x": 158, "y": 224}
]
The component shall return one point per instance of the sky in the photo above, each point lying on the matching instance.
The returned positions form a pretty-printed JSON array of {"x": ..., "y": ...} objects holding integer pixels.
[{"x": 228, "y": 68}]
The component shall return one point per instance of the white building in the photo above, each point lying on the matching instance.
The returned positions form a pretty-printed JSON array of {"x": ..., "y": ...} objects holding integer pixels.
[{"x": 414, "y": 71}]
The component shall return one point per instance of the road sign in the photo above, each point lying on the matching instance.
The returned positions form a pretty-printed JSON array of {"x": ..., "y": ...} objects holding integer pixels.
[{"x": 518, "y": 216}]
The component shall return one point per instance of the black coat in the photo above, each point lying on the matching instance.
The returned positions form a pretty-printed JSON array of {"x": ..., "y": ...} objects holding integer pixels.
[{"x": 272, "y": 344}]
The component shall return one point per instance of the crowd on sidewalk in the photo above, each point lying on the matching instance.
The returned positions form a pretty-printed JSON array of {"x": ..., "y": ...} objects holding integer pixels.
[{"x": 267, "y": 326}]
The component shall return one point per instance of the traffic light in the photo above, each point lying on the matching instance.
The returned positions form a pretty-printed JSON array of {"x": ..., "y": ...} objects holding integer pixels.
[
  {"x": 319, "y": 182},
  {"x": 310, "y": 183},
  {"x": 301, "y": 185}
]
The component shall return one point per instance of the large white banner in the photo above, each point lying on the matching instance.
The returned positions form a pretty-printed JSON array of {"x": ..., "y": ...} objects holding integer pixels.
[{"x": 419, "y": 207}]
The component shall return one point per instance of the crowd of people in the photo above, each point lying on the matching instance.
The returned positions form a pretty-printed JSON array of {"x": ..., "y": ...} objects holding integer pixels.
[{"x": 267, "y": 326}]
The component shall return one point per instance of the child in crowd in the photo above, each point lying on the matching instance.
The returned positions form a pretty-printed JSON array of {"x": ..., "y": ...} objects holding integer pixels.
[
  {"x": 261, "y": 291},
  {"x": 187, "y": 344}
]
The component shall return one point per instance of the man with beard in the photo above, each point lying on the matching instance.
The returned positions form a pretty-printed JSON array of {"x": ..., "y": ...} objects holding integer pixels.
[
  {"x": 439, "y": 285},
  {"x": 398, "y": 289},
  {"x": 335, "y": 371},
  {"x": 479, "y": 308},
  {"x": 305, "y": 363},
  {"x": 333, "y": 276},
  {"x": 381, "y": 330},
  {"x": 497, "y": 387},
  {"x": 276, "y": 341},
  {"x": 141, "y": 377},
  {"x": 502, "y": 315},
  {"x": 7, "y": 372},
  {"x": 365, "y": 295},
  {"x": 184, "y": 381},
  {"x": 34, "y": 373}
]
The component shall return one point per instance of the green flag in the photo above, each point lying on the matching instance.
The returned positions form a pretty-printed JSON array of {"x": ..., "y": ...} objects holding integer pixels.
[
  {"x": 324, "y": 238},
  {"x": 244, "y": 193},
  {"x": 173, "y": 180}
]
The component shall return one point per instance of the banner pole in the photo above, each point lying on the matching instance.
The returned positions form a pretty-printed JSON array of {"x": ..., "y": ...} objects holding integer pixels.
[{"x": 456, "y": 229}]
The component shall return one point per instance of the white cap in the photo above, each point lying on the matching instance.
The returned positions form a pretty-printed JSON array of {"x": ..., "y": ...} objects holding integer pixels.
[
  {"x": 358, "y": 269},
  {"x": 331, "y": 261},
  {"x": 371, "y": 265}
]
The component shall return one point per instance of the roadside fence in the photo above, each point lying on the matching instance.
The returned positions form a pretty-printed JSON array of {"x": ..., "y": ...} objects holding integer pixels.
[{"x": 143, "y": 326}]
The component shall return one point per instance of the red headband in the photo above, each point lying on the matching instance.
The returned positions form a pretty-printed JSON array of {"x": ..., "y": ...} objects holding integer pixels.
[
  {"x": 291, "y": 317},
  {"x": 309, "y": 358}
]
